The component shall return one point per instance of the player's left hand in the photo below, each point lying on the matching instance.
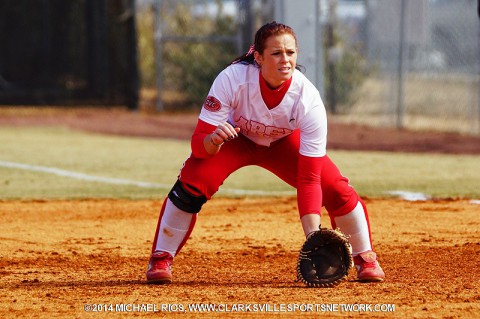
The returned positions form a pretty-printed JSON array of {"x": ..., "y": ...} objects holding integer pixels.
[{"x": 325, "y": 258}]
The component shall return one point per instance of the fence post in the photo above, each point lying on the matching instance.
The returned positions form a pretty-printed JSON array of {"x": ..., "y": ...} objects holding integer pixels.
[
  {"x": 400, "y": 70},
  {"x": 332, "y": 58},
  {"x": 319, "y": 66},
  {"x": 132, "y": 57},
  {"x": 157, "y": 4},
  {"x": 478, "y": 73},
  {"x": 478, "y": 76}
]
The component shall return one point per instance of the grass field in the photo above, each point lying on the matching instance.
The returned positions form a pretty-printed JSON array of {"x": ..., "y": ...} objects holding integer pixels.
[{"x": 126, "y": 161}]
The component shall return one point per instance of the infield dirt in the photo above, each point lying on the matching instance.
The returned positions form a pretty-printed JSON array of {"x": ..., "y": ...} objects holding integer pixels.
[{"x": 59, "y": 257}]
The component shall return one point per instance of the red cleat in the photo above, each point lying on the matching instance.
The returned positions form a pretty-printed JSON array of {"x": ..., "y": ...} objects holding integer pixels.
[
  {"x": 160, "y": 268},
  {"x": 368, "y": 268}
]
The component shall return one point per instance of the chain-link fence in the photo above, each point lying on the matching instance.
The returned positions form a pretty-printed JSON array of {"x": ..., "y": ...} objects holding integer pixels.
[
  {"x": 193, "y": 40},
  {"x": 423, "y": 64},
  {"x": 399, "y": 63}
]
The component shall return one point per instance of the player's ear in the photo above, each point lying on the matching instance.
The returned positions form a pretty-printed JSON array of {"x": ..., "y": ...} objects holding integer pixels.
[{"x": 258, "y": 58}]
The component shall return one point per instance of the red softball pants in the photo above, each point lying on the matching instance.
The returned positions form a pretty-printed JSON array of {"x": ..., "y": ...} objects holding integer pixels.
[{"x": 280, "y": 158}]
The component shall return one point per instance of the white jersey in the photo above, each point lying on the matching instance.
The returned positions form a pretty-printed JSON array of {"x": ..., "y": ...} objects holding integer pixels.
[{"x": 235, "y": 97}]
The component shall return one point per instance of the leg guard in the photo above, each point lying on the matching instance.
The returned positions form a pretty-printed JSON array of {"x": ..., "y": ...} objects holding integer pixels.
[
  {"x": 355, "y": 226},
  {"x": 185, "y": 200}
]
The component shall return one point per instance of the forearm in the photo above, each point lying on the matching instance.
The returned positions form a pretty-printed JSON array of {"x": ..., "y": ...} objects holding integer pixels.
[
  {"x": 309, "y": 190},
  {"x": 208, "y": 139}
]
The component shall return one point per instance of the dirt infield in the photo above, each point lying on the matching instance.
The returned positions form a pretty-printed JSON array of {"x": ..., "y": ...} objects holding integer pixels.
[
  {"x": 62, "y": 257},
  {"x": 87, "y": 258}
]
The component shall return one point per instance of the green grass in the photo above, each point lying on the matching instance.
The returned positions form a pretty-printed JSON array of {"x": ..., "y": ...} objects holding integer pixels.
[
  {"x": 437, "y": 175},
  {"x": 159, "y": 160}
]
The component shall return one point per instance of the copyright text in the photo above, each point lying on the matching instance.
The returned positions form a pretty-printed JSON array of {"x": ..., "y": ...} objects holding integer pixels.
[{"x": 238, "y": 307}]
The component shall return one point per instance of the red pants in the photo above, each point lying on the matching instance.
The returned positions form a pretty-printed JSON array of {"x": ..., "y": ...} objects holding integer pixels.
[{"x": 281, "y": 158}]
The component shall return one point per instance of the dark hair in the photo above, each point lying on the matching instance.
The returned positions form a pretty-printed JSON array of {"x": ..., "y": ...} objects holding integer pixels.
[{"x": 261, "y": 36}]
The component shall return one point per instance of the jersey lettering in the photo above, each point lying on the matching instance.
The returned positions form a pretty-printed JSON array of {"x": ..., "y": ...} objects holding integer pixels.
[
  {"x": 250, "y": 127},
  {"x": 273, "y": 131},
  {"x": 257, "y": 128}
]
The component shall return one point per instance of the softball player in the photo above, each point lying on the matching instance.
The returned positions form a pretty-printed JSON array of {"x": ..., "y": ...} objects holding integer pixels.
[{"x": 261, "y": 110}]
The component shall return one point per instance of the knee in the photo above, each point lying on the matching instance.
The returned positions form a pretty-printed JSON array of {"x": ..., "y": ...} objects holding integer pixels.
[
  {"x": 339, "y": 197},
  {"x": 184, "y": 199}
]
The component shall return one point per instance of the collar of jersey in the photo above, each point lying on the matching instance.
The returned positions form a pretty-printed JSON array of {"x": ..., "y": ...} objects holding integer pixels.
[{"x": 273, "y": 97}]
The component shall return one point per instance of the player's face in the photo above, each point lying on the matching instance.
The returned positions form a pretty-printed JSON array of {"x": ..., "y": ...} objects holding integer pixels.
[{"x": 278, "y": 59}]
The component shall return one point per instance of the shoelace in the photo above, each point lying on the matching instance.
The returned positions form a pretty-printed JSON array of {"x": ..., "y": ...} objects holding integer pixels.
[
  {"x": 366, "y": 264},
  {"x": 369, "y": 265},
  {"x": 161, "y": 263}
]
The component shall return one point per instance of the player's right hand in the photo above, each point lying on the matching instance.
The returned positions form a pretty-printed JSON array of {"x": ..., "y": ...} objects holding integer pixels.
[{"x": 224, "y": 132}]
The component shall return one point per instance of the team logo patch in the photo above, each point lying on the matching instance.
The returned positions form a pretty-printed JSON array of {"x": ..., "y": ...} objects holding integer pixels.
[{"x": 212, "y": 104}]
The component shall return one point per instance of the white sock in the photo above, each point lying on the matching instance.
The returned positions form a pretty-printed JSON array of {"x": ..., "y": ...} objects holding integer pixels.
[
  {"x": 354, "y": 226},
  {"x": 174, "y": 226}
]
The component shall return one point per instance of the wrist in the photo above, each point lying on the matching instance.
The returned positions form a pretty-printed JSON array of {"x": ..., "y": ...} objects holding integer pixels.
[{"x": 213, "y": 142}]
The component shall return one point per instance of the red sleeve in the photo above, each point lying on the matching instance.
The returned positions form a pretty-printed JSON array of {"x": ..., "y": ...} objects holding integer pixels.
[
  {"x": 201, "y": 130},
  {"x": 309, "y": 189}
]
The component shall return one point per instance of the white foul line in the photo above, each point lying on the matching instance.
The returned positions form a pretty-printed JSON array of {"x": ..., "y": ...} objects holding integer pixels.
[
  {"x": 81, "y": 176},
  {"x": 122, "y": 181}
]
